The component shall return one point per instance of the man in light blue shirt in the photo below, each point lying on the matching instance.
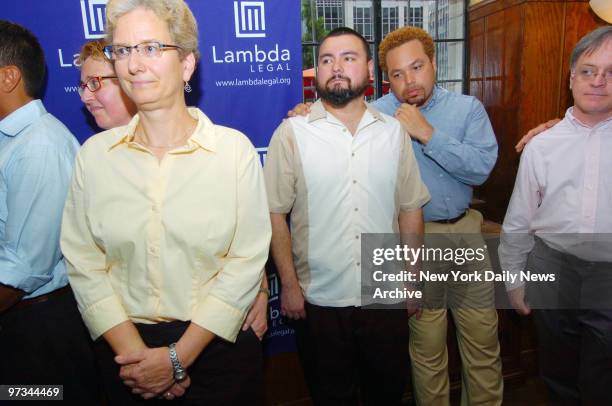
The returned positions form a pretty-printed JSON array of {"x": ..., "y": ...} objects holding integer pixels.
[
  {"x": 36, "y": 156},
  {"x": 459, "y": 154},
  {"x": 41, "y": 333},
  {"x": 456, "y": 149}
]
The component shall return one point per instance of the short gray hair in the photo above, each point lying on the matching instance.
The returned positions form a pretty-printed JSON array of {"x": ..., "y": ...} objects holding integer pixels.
[
  {"x": 590, "y": 43},
  {"x": 176, "y": 14}
]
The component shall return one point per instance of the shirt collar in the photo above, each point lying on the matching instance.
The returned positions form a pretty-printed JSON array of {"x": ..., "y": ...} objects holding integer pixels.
[
  {"x": 19, "y": 119},
  {"x": 318, "y": 112},
  {"x": 203, "y": 135},
  {"x": 436, "y": 93},
  {"x": 569, "y": 114}
]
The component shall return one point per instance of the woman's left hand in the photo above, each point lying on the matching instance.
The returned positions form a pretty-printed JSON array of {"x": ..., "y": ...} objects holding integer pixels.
[
  {"x": 148, "y": 370},
  {"x": 257, "y": 318}
]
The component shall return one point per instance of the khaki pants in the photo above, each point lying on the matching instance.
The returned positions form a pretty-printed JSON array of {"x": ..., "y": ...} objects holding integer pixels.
[{"x": 482, "y": 382}]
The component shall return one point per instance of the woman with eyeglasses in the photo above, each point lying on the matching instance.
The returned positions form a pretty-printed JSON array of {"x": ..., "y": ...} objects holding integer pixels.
[
  {"x": 99, "y": 88},
  {"x": 166, "y": 227},
  {"x": 111, "y": 107}
]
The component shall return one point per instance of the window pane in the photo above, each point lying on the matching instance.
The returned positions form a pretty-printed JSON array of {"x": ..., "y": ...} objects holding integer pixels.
[
  {"x": 450, "y": 19},
  {"x": 456, "y": 87},
  {"x": 417, "y": 13},
  {"x": 331, "y": 12},
  {"x": 414, "y": 16},
  {"x": 449, "y": 60},
  {"x": 362, "y": 19},
  {"x": 371, "y": 91},
  {"x": 390, "y": 19}
]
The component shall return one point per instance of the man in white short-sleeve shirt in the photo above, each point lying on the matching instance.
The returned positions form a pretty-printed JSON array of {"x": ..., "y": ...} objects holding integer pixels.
[{"x": 343, "y": 170}]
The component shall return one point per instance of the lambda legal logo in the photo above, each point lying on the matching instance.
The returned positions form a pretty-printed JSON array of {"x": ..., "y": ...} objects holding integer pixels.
[
  {"x": 93, "y": 12},
  {"x": 250, "y": 19}
]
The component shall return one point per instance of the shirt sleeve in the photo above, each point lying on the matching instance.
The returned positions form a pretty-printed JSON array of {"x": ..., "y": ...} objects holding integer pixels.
[
  {"x": 36, "y": 183},
  {"x": 413, "y": 193},
  {"x": 223, "y": 310},
  {"x": 471, "y": 159},
  {"x": 516, "y": 241},
  {"x": 86, "y": 263},
  {"x": 279, "y": 170}
]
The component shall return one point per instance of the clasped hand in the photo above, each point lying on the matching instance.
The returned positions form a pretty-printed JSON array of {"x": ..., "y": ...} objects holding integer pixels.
[{"x": 149, "y": 373}]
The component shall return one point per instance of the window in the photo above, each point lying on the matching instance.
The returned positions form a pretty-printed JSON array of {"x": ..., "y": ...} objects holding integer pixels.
[
  {"x": 332, "y": 13},
  {"x": 444, "y": 20},
  {"x": 390, "y": 19},
  {"x": 362, "y": 22},
  {"x": 414, "y": 16}
]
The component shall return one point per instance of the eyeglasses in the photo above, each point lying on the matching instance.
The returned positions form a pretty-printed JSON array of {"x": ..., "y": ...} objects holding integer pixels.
[
  {"x": 589, "y": 74},
  {"x": 151, "y": 49},
  {"x": 93, "y": 84}
]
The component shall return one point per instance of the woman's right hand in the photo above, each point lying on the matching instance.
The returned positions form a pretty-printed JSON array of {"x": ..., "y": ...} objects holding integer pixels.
[
  {"x": 175, "y": 391},
  {"x": 257, "y": 318},
  {"x": 302, "y": 109}
]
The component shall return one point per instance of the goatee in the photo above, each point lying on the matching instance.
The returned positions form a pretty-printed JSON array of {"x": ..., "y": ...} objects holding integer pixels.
[{"x": 338, "y": 96}]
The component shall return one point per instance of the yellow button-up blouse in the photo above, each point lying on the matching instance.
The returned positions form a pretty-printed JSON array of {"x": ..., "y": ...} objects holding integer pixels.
[{"x": 181, "y": 239}]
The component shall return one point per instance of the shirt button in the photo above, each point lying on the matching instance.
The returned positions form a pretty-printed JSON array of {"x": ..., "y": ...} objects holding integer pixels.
[
  {"x": 353, "y": 154},
  {"x": 344, "y": 130},
  {"x": 356, "y": 237},
  {"x": 356, "y": 209},
  {"x": 358, "y": 263},
  {"x": 448, "y": 198},
  {"x": 354, "y": 181},
  {"x": 441, "y": 175},
  {"x": 153, "y": 250}
]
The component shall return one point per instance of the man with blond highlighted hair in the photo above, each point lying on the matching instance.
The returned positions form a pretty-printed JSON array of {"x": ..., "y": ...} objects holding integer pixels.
[{"x": 456, "y": 149}]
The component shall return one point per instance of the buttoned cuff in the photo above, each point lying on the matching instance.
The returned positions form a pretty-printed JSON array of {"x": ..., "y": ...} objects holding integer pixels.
[
  {"x": 219, "y": 317},
  {"x": 104, "y": 315}
]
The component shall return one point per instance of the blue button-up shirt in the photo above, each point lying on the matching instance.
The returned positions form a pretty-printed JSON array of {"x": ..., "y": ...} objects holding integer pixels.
[
  {"x": 460, "y": 154},
  {"x": 36, "y": 157}
]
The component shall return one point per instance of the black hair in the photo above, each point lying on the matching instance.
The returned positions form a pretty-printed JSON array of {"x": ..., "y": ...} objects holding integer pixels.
[
  {"x": 19, "y": 47},
  {"x": 337, "y": 32}
]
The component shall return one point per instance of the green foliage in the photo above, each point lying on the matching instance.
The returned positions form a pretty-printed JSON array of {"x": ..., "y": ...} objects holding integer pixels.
[{"x": 320, "y": 33}]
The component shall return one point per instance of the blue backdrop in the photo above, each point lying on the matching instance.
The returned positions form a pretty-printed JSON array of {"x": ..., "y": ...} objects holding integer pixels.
[{"x": 249, "y": 74}]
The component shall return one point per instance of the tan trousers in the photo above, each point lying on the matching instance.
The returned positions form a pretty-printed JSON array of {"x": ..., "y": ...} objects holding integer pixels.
[{"x": 482, "y": 382}]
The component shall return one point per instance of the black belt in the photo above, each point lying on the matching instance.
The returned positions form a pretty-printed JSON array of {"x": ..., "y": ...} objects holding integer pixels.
[
  {"x": 42, "y": 298},
  {"x": 453, "y": 220}
]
